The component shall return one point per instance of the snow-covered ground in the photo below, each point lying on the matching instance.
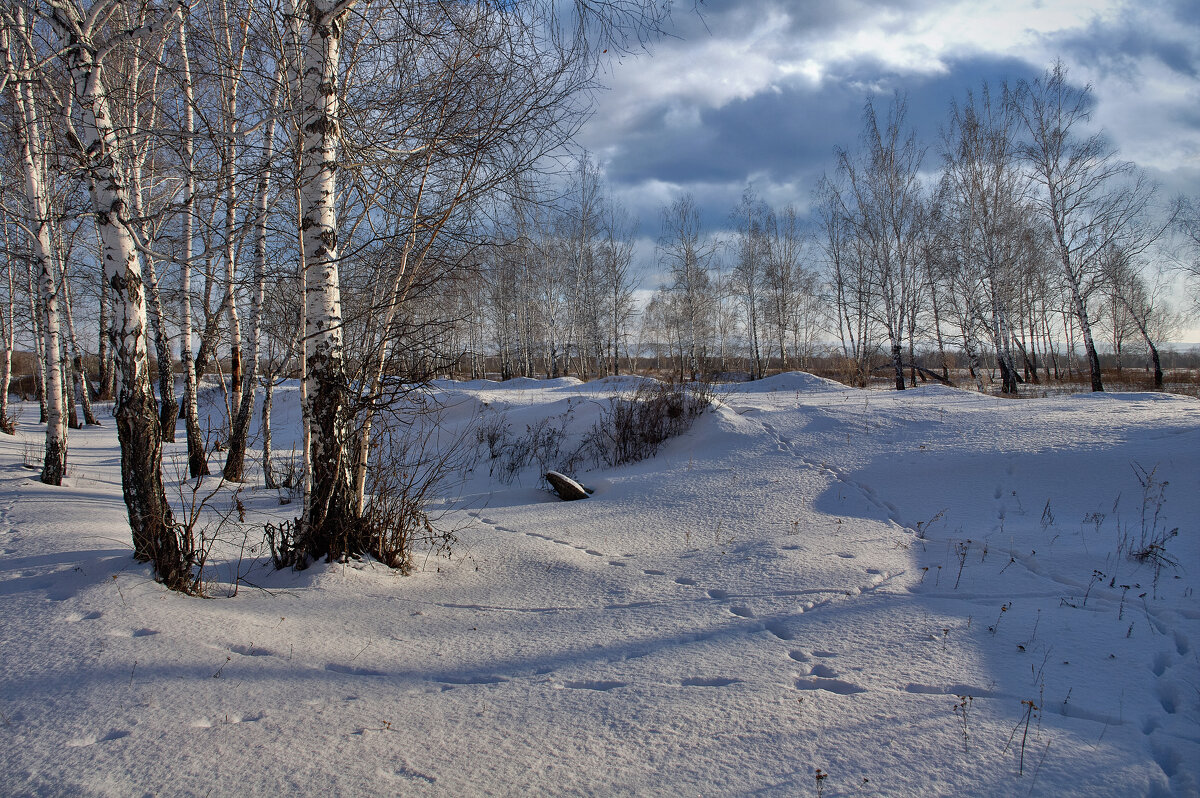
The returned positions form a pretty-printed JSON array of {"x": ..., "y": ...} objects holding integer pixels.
[{"x": 816, "y": 591}]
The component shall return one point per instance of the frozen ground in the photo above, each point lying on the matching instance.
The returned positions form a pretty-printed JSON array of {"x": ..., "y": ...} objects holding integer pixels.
[{"x": 816, "y": 591}]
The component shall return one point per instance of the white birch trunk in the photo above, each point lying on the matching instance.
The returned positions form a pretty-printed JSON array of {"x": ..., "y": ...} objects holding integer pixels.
[
  {"x": 328, "y": 521},
  {"x": 154, "y": 535},
  {"x": 54, "y": 464},
  {"x": 78, "y": 370},
  {"x": 7, "y": 425},
  {"x": 240, "y": 424},
  {"x": 197, "y": 461}
]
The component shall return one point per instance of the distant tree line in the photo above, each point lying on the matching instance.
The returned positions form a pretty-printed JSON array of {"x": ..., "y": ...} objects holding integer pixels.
[{"x": 1019, "y": 243}]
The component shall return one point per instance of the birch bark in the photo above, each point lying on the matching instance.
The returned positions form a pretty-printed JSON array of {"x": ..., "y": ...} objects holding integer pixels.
[
  {"x": 197, "y": 461},
  {"x": 155, "y": 537},
  {"x": 240, "y": 423},
  {"x": 54, "y": 463},
  {"x": 328, "y": 526},
  {"x": 7, "y": 425}
]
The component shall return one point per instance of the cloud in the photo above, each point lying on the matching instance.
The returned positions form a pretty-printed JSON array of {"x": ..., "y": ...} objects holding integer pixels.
[
  {"x": 762, "y": 91},
  {"x": 1164, "y": 32}
]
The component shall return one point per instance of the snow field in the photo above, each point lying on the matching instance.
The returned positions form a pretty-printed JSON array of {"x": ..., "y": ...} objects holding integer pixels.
[{"x": 872, "y": 584}]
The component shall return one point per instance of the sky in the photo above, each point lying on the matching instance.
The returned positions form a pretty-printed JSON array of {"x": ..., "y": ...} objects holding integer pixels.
[{"x": 761, "y": 91}]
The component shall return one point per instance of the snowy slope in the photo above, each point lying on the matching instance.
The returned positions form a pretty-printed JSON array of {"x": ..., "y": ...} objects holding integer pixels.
[{"x": 897, "y": 590}]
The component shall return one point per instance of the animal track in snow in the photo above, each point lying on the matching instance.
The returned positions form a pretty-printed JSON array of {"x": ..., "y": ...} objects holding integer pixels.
[
  {"x": 1168, "y": 697},
  {"x": 1170, "y": 761},
  {"x": 253, "y": 717},
  {"x": 653, "y": 572},
  {"x": 251, "y": 651},
  {"x": 742, "y": 612},
  {"x": 867, "y": 492},
  {"x": 74, "y": 617},
  {"x": 601, "y": 685},
  {"x": 702, "y": 681},
  {"x": 686, "y": 580},
  {"x": 350, "y": 670},
  {"x": 779, "y": 630},
  {"x": 718, "y": 594},
  {"x": 472, "y": 679},
  {"x": 80, "y": 742},
  {"x": 829, "y": 685}
]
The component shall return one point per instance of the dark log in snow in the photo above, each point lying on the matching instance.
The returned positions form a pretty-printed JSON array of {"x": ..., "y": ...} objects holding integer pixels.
[{"x": 567, "y": 489}]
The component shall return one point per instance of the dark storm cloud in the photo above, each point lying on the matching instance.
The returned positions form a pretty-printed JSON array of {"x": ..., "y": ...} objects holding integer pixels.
[
  {"x": 787, "y": 135},
  {"x": 775, "y": 132},
  {"x": 1166, "y": 32}
]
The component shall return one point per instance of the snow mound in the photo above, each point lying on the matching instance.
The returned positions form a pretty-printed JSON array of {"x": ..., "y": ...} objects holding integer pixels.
[
  {"x": 789, "y": 381},
  {"x": 624, "y": 382},
  {"x": 465, "y": 384},
  {"x": 1129, "y": 396}
]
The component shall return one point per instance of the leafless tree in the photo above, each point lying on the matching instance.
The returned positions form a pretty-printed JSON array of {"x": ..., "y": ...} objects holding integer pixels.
[
  {"x": 687, "y": 255},
  {"x": 988, "y": 194},
  {"x": 750, "y": 251},
  {"x": 84, "y": 42},
  {"x": 1090, "y": 199},
  {"x": 16, "y": 40},
  {"x": 1139, "y": 305},
  {"x": 882, "y": 205}
]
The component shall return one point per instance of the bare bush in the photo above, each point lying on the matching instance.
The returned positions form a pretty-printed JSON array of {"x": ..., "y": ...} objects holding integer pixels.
[
  {"x": 544, "y": 442},
  {"x": 633, "y": 428},
  {"x": 409, "y": 472},
  {"x": 410, "y": 468},
  {"x": 1148, "y": 543}
]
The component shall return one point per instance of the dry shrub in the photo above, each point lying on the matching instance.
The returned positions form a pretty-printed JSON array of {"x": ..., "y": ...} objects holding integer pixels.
[
  {"x": 544, "y": 442},
  {"x": 633, "y": 428},
  {"x": 410, "y": 470},
  {"x": 412, "y": 462}
]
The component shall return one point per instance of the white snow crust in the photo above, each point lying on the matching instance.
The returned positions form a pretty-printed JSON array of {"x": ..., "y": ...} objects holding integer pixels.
[{"x": 916, "y": 593}]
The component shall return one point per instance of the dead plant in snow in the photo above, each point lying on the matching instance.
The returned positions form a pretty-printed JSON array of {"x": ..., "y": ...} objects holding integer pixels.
[
  {"x": 410, "y": 472},
  {"x": 633, "y": 428},
  {"x": 1152, "y": 536}
]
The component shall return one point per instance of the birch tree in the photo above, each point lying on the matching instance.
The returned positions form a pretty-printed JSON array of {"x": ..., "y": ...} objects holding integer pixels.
[
  {"x": 8, "y": 329},
  {"x": 1089, "y": 198},
  {"x": 197, "y": 459},
  {"x": 615, "y": 257},
  {"x": 981, "y": 165},
  {"x": 84, "y": 43},
  {"x": 750, "y": 255},
  {"x": 687, "y": 256},
  {"x": 846, "y": 267},
  {"x": 15, "y": 39},
  {"x": 883, "y": 205}
]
